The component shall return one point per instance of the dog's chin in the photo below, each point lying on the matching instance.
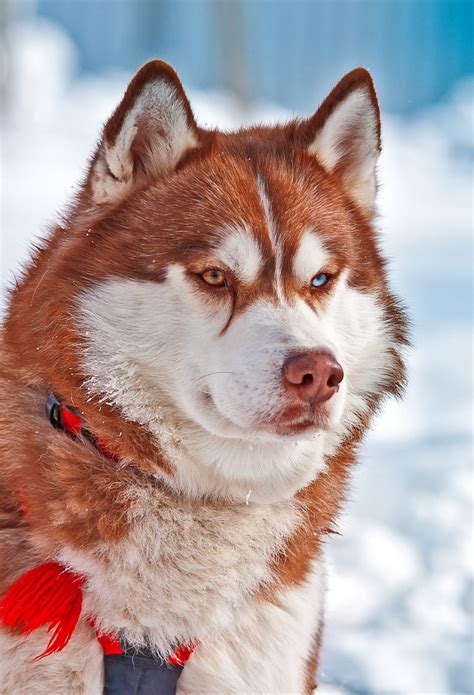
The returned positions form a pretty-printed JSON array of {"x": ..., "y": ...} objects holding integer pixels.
[
  {"x": 299, "y": 429},
  {"x": 304, "y": 427}
]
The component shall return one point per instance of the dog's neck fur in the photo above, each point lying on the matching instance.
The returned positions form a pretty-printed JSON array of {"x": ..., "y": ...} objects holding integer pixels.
[
  {"x": 183, "y": 571},
  {"x": 194, "y": 458}
]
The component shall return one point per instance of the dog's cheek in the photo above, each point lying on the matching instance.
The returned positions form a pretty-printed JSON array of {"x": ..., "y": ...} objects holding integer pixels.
[
  {"x": 123, "y": 337},
  {"x": 127, "y": 329},
  {"x": 366, "y": 340},
  {"x": 142, "y": 335}
]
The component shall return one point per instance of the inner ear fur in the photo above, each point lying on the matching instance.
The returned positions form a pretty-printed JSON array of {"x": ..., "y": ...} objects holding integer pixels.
[
  {"x": 344, "y": 134},
  {"x": 150, "y": 131}
]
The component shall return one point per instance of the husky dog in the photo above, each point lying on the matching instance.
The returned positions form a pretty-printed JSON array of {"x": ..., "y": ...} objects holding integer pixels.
[{"x": 211, "y": 331}]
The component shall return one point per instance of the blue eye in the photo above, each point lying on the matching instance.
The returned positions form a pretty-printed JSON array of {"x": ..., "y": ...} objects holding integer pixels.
[{"x": 319, "y": 280}]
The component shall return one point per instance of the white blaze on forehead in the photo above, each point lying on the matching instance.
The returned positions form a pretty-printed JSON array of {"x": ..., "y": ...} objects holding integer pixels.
[
  {"x": 241, "y": 252},
  {"x": 310, "y": 258},
  {"x": 274, "y": 240}
]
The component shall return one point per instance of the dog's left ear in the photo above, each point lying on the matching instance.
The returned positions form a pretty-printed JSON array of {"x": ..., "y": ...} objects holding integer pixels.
[
  {"x": 344, "y": 134},
  {"x": 150, "y": 131}
]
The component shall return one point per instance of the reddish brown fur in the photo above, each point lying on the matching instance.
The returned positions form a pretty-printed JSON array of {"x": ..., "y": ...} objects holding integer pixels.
[{"x": 74, "y": 494}]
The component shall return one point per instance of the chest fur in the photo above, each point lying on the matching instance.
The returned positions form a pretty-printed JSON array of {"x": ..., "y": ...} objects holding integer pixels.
[{"x": 183, "y": 572}]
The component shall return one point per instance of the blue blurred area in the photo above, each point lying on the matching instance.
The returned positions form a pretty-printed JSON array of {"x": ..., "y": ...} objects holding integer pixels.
[{"x": 286, "y": 51}]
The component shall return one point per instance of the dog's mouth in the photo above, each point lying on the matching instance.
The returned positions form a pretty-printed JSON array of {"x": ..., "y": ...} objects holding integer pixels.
[
  {"x": 291, "y": 421},
  {"x": 300, "y": 419}
]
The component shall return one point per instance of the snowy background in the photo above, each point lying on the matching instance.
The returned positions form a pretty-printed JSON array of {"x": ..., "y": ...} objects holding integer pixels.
[{"x": 401, "y": 581}]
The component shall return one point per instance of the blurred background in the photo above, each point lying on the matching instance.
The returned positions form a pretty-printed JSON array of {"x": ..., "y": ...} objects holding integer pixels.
[{"x": 401, "y": 582}]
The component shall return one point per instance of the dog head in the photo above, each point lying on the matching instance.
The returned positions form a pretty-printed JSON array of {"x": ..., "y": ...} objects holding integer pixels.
[{"x": 229, "y": 291}]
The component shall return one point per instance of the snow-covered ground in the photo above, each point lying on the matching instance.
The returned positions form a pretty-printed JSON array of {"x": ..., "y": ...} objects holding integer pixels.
[{"x": 401, "y": 581}]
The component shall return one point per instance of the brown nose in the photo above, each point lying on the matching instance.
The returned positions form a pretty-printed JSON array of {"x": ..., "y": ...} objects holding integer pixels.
[{"x": 313, "y": 376}]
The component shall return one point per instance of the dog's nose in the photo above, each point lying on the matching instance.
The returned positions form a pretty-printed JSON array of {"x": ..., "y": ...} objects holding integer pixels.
[{"x": 313, "y": 376}]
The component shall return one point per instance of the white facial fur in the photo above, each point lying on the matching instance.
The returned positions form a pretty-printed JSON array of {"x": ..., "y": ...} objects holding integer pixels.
[
  {"x": 310, "y": 258},
  {"x": 273, "y": 236},
  {"x": 158, "y": 352},
  {"x": 241, "y": 253}
]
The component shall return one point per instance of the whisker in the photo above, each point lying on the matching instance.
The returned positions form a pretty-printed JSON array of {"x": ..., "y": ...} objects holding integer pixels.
[
  {"x": 204, "y": 376},
  {"x": 212, "y": 374}
]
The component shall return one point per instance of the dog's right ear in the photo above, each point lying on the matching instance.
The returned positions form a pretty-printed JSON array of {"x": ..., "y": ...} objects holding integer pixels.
[{"x": 149, "y": 132}]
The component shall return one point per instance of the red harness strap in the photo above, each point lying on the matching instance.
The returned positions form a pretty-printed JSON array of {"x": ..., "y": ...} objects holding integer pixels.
[
  {"x": 50, "y": 595},
  {"x": 111, "y": 645},
  {"x": 66, "y": 418}
]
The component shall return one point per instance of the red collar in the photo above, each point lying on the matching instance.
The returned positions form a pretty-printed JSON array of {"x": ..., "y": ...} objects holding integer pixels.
[
  {"x": 50, "y": 594},
  {"x": 65, "y": 418}
]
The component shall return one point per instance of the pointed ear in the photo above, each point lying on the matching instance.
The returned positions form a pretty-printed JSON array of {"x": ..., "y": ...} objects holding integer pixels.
[
  {"x": 149, "y": 132},
  {"x": 344, "y": 134}
]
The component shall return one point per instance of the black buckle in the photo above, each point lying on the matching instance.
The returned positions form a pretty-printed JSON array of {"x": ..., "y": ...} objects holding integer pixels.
[{"x": 53, "y": 411}]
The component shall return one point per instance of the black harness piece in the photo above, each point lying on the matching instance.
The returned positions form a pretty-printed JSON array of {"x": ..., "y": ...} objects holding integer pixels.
[{"x": 139, "y": 672}]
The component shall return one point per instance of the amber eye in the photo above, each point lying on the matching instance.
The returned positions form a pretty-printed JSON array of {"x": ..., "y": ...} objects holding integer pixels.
[{"x": 214, "y": 277}]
